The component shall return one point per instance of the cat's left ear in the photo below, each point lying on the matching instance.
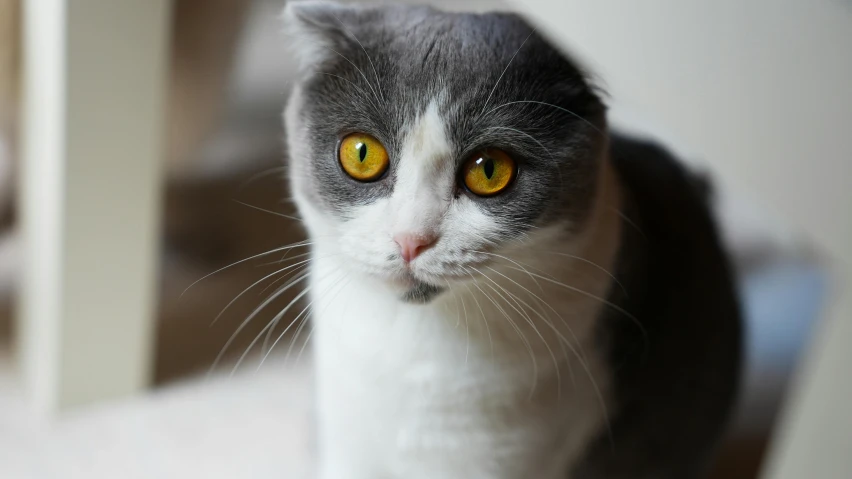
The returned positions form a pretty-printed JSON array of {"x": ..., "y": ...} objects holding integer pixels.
[{"x": 316, "y": 29}]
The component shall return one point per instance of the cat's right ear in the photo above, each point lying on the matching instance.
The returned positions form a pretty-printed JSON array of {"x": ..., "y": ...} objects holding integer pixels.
[{"x": 315, "y": 30}]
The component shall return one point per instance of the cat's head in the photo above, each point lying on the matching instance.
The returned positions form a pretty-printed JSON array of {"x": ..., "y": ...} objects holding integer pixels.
[{"x": 424, "y": 144}]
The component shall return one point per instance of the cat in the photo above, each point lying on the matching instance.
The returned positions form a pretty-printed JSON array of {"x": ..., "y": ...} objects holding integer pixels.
[{"x": 500, "y": 286}]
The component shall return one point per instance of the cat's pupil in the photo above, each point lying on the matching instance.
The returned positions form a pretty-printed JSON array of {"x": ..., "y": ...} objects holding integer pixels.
[
  {"x": 488, "y": 168},
  {"x": 362, "y": 151}
]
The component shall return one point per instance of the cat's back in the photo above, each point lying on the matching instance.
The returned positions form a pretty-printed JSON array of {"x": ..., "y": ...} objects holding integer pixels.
[{"x": 676, "y": 376}]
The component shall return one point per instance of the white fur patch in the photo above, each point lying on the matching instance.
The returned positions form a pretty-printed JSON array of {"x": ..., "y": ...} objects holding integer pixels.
[
  {"x": 427, "y": 144},
  {"x": 424, "y": 177}
]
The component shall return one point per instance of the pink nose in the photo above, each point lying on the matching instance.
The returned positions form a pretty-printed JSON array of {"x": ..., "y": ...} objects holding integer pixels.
[{"x": 410, "y": 246}]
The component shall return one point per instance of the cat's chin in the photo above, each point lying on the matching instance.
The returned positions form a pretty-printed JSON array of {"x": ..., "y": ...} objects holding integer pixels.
[
  {"x": 415, "y": 291},
  {"x": 421, "y": 293}
]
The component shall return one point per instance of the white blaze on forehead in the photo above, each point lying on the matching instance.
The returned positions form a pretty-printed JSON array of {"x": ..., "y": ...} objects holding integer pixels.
[
  {"x": 426, "y": 145},
  {"x": 425, "y": 173}
]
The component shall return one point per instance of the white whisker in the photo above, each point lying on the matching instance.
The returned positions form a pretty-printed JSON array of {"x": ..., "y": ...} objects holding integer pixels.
[
  {"x": 627, "y": 220},
  {"x": 378, "y": 83},
  {"x": 514, "y": 326},
  {"x": 269, "y": 325},
  {"x": 609, "y": 304},
  {"x": 558, "y": 170},
  {"x": 529, "y": 321},
  {"x": 299, "y": 244},
  {"x": 262, "y": 174},
  {"x": 290, "y": 325},
  {"x": 356, "y": 67},
  {"x": 516, "y": 263},
  {"x": 502, "y": 75},
  {"x": 302, "y": 324},
  {"x": 552, "y": 106},
  {"x": 363, "y": 92},
  {"x": 484, "y": 319},
  {"x": 580, "y": 357},
  {"x": 282, "y": 215},
  {"x": 592, "y": 263},
  {"x": 252, "y": 286},
  {"x": 254, "y": 313},
  {"x": 280, "y": 336}
]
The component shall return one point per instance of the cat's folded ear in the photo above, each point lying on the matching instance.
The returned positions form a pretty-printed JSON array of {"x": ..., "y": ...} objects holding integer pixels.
[{"x": 315, "y": 29}]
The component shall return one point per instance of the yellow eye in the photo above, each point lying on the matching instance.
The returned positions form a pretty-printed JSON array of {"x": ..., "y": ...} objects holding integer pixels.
[
  {"x": 363, "y": 157},
  {"x": 489, "y": 172}
]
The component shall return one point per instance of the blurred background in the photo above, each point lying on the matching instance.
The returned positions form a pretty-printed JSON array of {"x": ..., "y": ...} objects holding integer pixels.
[{"x": 141, "y": 150}]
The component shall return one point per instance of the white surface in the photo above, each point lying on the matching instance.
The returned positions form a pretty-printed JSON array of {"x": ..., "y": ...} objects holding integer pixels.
[
  {"x": 93, "y": 103},
  {"x": 761, "y": 90},
  {"x": 249, "y": 426}
]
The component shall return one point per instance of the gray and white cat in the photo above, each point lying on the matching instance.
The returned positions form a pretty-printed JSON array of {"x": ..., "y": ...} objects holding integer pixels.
[{"x": 501, "y": 288}]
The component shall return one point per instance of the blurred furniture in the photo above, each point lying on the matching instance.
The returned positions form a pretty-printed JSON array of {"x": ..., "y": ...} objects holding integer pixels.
[
  {"x": 118, "y": 98},
  {"x": 93, "y": 136}
]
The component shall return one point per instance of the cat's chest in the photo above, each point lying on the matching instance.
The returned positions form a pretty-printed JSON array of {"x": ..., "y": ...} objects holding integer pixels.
[
  {"x": 433, "y": 417},
  {"x": 430, "y": 391}
]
